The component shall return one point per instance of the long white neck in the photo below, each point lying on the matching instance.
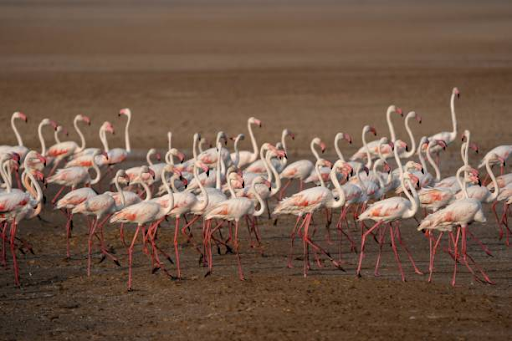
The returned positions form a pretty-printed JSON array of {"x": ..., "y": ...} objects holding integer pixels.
[
  {"x": 237, "y": 152},
  {"x": 79, "y": 132},
  {"x": 254, "y": 155},
  {"x": 368, "y": 154},
  {"x": 96, "y": 169},
  {"x": 431, "y": 161},
  {"x": 341, "y": 200},
  {"x": 319, "y": 174},
  {"x": 494, "y": 196},
  {"x": 194, "y": 146},
  {"x": 169, "y": 191},
  {"x": 204, "y": 204},
  {"x": 275, "y": 174},
  {"x": 16, "y": 132},
  {"x": 462, "y": 183},
  {"x": 313, "y": 150},
  {"x": 121, "y": 194},
  {"x": 230, "y": 187},
  {"x": 149, "y": 195},
  {"x": 410, "y": 153},
  {"x": 454, "y": 118},
  {"x": 41, "y": 138},
  {"x": 262, "y": 157},
  {"x": 127, "y": 132},
  {"x": 103, "y": 139},
  {"x": 36, "y": 185},
  {"x": 360, "y": 182},
  {"x": 377, "y": 174},
  {"x": 412, "y": 198},
  {"x": 218, "y": 182},
  {"x": 261, "y": 203},
  {"x": 283, "y": 140},
  {"x": 390, "y": 124},
  {"x": 6, "y": 179},
  {"x": 56, "y": 136},
  {"x": 148, "y": 157},
  {"x": 337, "y": 139}
]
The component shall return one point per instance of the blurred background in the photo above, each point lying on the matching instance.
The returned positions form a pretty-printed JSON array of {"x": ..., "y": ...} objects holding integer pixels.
[{"x": 316, "y": 67}]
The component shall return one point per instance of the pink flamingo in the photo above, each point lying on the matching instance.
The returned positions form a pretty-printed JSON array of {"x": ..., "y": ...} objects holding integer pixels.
[
  {"x": 247, "y": 157},
  {"x": 303, "y": 168},
  {"x": 389, "y": 211},
  {"x": 461, "y": 213},
  {"x": 20, "y": 149},
  {"x": 61, "y": 151},
  {"x": 118, "y": 155},
  {"x": 306, "y": 202},
  {"x": 12, "y": 206},
  {"x": 258, "y": 166},
  {"x": 235, "y": 209},
  {"x": 497, "y": 155},
  {"x": 83, "y": 158},
  {"x": 141, "y": 214}
]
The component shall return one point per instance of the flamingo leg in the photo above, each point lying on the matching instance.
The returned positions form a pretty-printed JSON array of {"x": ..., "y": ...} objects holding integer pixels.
[
  {"x": 54, "y": 200},
  {"x": 176, "y": 251},
  {"x": 121, "y": 235},
  {"x": 382, "y": 236},
  {"x": 456, "y": 250},
  {"x": 92, "y": 230},
  {"x": 283, "y": 190},
  {"x": 363, "y": 241},
  {"x": 431, "y": 265},
  {"x": 4, "y": 239},
  {"x": 130, "y": 257},
  {"x": 404, "y": 246},
  {"x": 240, "y": 273},
  {"x": 397, "y": 257},
  {"x": 479, "y": 242},
  {"x": 13, "y": 253}
]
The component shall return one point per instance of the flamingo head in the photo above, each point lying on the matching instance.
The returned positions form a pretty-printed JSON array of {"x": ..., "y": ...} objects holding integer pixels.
[
  {"x": 348, "y": 138},
  {"x": 158, "y": 156},
  {"x": 287, "y": 132},
  {"x": 366, "y": 170},
  {"x": 386, "y": 167},
  {"x": 86, "y": 119},
  {"x": 178, "y": 154},
  {"x": 413, "y": 178},
  {"x": 222, "y": 136},
  {"x": 261, "y": 180},
  {"x": 442, "y": 144},
  {"x": 419, "y": 118},
  {"x": 38, "y": 175},
  {"x": 398, "y": 110},
  {"x": 204, "y": 167},
  {"x": 324, "y": 163},
  {"x": 237, "y": 181},
  {"x": 344, "y": 168},
  {"x": 391, "y": 145},
  {"x": 61, "y": 129},
  {"x": 53, "y": 124},
  {"x": 21, "y": 116},
  {"x": 108, "y": 127},
  {"x": 253, "y": 120},
  {"x": 456, "y": 92},
  {"x": 124, "y": 111},
  {"x": 473, "y": 146},
  {"x": 372, "y": 130},
  {"x": 322, "y": 147}
]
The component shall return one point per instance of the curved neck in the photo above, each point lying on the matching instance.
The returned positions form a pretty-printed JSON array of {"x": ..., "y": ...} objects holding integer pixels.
[
  {"x": 358, "y": 176},
  {"x": 377, "y": 174},
  {"x": 313, "y": 150},
  {"x": 169, "y": 191},
  {"x": 96, "y": 169},
  {"x": 283, "y": 141},
  {"x": 79, "y": 132},
  {"x": 218, "y": 182},
  {"x": 194, "y": 146},
  {"x": 127, "y": 133},
  {"x": 237, "y": 152},
  {"x": 410, "y": 153},
  {"x": 368, "y": 154},
  {"x": 319, "y": 174},
  {"x": 390, "y": 125},
  {"x": 337, "y": 146},
  {"x": 36, "y": 185},
  {"x": 275, "y": 174},
  {"x": 262, "y": 157},
  {"x": 230, "y": 187},
  {"x": 334, "y": 179},
  {"x": 103, "y": 139},
  {"x": 494, "y": 181},
  {"x": 41, "y": 138},
  {"x": 260, "y": 201},
  {"x": 204, "y": 204},
  {"x": 412, "y": 198},
  {"x": 56, "y": 136},
  {"x": 420, "y": 155},
  {"x": 253, "y": 141},
  {"x": 149, "y": 195},
  {"x": 16, "y": 132},
  {"x": 6, "y": 179},
  {"x": 431, "y": 161},
  {"x": 462, "y": 183},
  {"x": 120, "y": 191},
  {"x": 454, "y": 118},
  {"x": 148, "y": 157}
]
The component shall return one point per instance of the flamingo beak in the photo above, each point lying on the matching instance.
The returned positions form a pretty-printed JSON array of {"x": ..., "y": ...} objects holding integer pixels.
[
  {"x": 348, "y": 138},
  {"x": 292, "y": 135},
  {"x": 322, "y": 147},
  {"x": 400, "y": 111},
  {"x": 181, "y": 157},
  {"x": 152, "y": 173},
  {"x": 418, "y": 117},
  {"x": 158, "y": 156},
  {"x": 54, "y": 125},
  {"x": 366, "y": 170}
]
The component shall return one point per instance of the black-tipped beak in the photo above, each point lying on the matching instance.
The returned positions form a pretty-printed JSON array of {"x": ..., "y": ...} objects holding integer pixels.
[
  {"x": 479, "y": 183},
  {"x": 243, "y": 183},
  {"x": 406, "y": 148},
  {"x": 422, "y": 170},
  {"x": 285, "y": 156},
  {"x": 208, "y": 173}
]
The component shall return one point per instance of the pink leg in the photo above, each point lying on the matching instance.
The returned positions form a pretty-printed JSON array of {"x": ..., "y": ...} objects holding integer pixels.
[
  {"x": 57, "y": 195},
  {"x": 283, "y": 190},
  {"x": 240, "y": 273},
  {"x": 89, "y": 252},
  {"x": 479, "y": 242},
  {"x": 13, "y": 254},
  {"x": 456, "y": 254},
  {"x": 363, "y": 241},
  {"x": 130, "y": 257},
  {"x": 402, "y": 243},
  {"x": 301, "y": 185},
  {"x": 382, "y": 235},
  {"x": 121, "y": 235},
  {"x": 292, "y": 239},
  {"x": 68, "y": 232},
  {"x": 4, "y": 239},
  {"x": 431, "y": 266},
  {"x": 176, "y": 251},
  {"x": 397, "y": 257}
]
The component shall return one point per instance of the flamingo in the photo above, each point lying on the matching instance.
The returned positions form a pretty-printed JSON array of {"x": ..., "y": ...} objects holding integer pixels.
[
  {"x": 12, "y": 206},
  {"x": 141, "y": 214},
  {"x": 407, "y": 154},
  {"x": 60, "y": 129},
  {"x": 446, "y": 136},
  {"x": 83, "y": 158},
  {"x": 258, "y": 166},
  {"x": 118, "y": 155},
  {"x": 301, "y": 169},
  {"x": 372, "y": 146},
  {"x": 306, "y": 202},
  {"x": 391, "y": 210},
  {"x": 235, "y": 209},
  {"x": 74, "y": 176},
  {"x": 247, "y": 157},
  {"x": 61, "y": 151},
  {"x": 20, "y": 149},
  {"x": 460, "y": 213},
  {"x": 497, "y": 155}
]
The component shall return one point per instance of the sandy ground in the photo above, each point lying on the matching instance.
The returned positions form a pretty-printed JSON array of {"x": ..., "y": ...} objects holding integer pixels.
[{"x": 317, "y": 70}]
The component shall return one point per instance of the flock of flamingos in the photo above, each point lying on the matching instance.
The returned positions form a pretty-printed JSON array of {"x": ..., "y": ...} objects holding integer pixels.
[{"x": 217, "y": 189}]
